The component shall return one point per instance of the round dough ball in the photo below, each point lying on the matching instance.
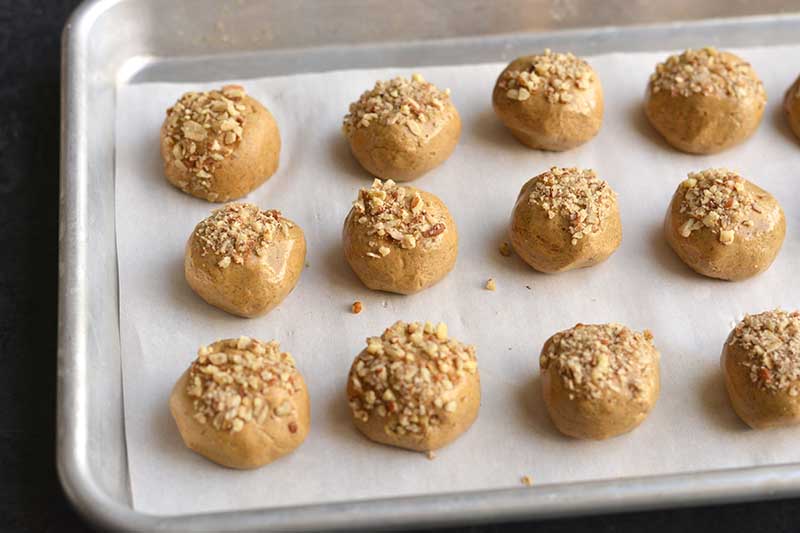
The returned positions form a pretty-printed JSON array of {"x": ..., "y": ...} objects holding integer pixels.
[
  {"x": 791, "y": 104},
  {"x": 402, "y": 128},
  {"x": 723, "y": 226},
  {"x": 242, "y": 403},
  {"x": 761, "y": 365},
  {"x": 565, "y": 218},
  {"x": 244, "y": 260},
  {"x": 399, "y": 239},
  {"x": 550, "y": 101},
  {"x": 219, "y": 145},
  {"x": 599, "y": 381},
  {"x": 704, "y": 101},
  {"x": 414, "y": 387}
]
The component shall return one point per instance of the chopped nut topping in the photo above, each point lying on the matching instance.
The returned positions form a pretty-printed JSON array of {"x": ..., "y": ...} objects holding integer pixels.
[
  {"x": 707, "y": 72},
  {"x": 505, "y": 249},
  {"x": 235, "y": 230},
  {"x": 718, "y": 200},
  {"x": 397, "y": 217},
  {"x": 399, "y": 101},
  {"x": 575, "y": 194},
  {"x": 557, "y": 76},
  {"x": 431, "y": 455},
  {"x": 772, "y": 343},
  {"x": 357, "y": 307},
  {"x": 596, "y": 360},
  {"x": 404, "y": 377},
  {"x": 230, "y": 380},
  {"x": 491, "y": 284},
  {"x": 526, "y": 480},
  {"x": 202, "y": 129}
]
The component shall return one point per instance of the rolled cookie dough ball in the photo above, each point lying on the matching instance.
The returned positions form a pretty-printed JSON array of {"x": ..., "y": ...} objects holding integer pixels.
[
  {"x": 399, "y": 239},
  {"x": 599, "y": 381},
  {"x": 549, "y": 101},
  {"x": 791, "y": 104},
  {"x": 565, "y": 218},
  {"x": 242, "y": 403},
  {"x": 402, "y": 128},
  {"x": 704, "y": 101},
  {"x": 219, "y": 145},
  {"x": 414, "y": 387},
  {"x": 761, "y": 365},
  {"x": 244, "y": 260},
  {"x": 723, "y": 226}
]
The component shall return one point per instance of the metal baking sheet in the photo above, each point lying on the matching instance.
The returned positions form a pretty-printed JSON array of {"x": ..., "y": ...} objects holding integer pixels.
[{"x": 112, "y": 42}]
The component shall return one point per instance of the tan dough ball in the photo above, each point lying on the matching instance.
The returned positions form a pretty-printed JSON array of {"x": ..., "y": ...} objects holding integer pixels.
[
  {"x": 242, "y": 403},
  {"x": 414, "y": 387},
  {"x": 244, "y": 260},
  {"x": 549, "y": 101},
  {"x": 219, "y": 145},
  {"x": 565, "y": 218},
  {"x": 723, "y": 226},
  {"x": 399, "y": 239},
  {"x": 761, "y": 365},
  {"x": 402, "y": 128},
  {"x": 704, "y": 101},
  {"x": 791, "y": 104},
  {"x": 599, "y": 381}
]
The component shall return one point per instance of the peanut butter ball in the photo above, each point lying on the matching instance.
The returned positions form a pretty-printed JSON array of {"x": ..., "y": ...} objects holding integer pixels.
[
  {"x": 723, "y": 226},
  {"x": 399, "y": 239},
  {"x": 599, "y": 381},
  {"x": 704, "y": 101},
  {"x": 414, "y": 387},
  {"x": 791, "y": 103},
  {"x": 219, "y": 145},
  {"x": 549, "y": 101},
  {"x": 244, "y": 260},
  {"x": 402, "y": 128},
  {"x": 242, "y": 403},
  {"x": 761, "y": 365},
  {"x": 565, "y": 218}
]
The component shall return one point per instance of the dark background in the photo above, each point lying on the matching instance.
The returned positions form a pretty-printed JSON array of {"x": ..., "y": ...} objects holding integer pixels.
[{"x": 30, "y": 495}]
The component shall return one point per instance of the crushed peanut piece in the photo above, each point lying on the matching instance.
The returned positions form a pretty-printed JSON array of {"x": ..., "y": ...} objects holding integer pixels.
[
  {"x": 716, "y": 199},
  {"x": 575, "y": 194},
  {"x": 202, "y": 129},
  {"x": 399, "y": 101},
  {"x": 405, "y": 377},
  {"x": 491, "y": 285},
  {"x": 596, "y": 360},
  {"x": 230, "y": 381},
  {"x": 526, "y": 480},
  {"x": 431, "y": 455},
  {"x": 772, "y": 343},
  {"x": 557, "y": 76},
  {"x": 357, "y": 307},
  {"x": 707, "y": 72},
  {"x": 505, "y": 249},
  {"x": 397, "y": 217},
  {"x": 235, "y": 230}
]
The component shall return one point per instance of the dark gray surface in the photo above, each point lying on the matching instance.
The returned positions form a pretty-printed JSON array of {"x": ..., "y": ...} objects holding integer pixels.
[{"x": 30, "y": 497}]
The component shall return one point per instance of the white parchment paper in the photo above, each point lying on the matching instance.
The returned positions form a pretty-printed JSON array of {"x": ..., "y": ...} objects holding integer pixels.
[{"x": 643, "y": 285}]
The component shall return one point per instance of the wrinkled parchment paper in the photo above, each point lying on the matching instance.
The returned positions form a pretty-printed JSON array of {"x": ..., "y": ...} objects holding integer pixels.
[{"x": 643, "y": 285}]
